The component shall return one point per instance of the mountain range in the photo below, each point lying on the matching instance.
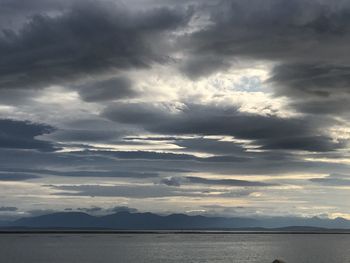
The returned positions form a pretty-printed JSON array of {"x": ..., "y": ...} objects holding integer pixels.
[{"x": 149, "y": 221}]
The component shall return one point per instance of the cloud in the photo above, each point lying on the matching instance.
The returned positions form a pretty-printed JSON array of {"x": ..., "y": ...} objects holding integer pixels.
[
  {"x": 313, "y": 80},
  {"x": 88, "y": 39},
  {"x": 104, "y": 90},
  {"x": 32, "y": 173},
  {"x": 103, "y": 77},
  {"x": 142, "y": 191},
  {"x": 318, "y": 89},
  {"x": 191, "y": 180},
  {"x": 88, "y": 130},
  {"x": 13, "y": 176},
  {"x": 84, "y": 135},
  {"x": 270, "y": 132},
  {"x": 14, "y": 7},
  {"x": 304, "y": 41},
  {"x": 128, "y": 191},
  {"x": 280, "y": 30},
  {"x": 199, "y": 66},
  {"x": 213, "y": 146},
  {"x": 333, "y": 180},
  {"x": 119, "y": 174},
  {"x": 307, "y": 143},
  {"x": 104, "y": 164},
  {"x": 172, "y": 181},
  {"x": 22, "y": 135},
  {"x": 93, "y": 209},
  {"x": 101, "y": 210},
  {"x": 14, "y": 13},
  {"x": 225, "y": 182},
  {"x": 8, "y": 209},
  {"x": 148, "y": 155},
  {"x": 96, "y": 210},
  {"x": 118, "y": 209}
]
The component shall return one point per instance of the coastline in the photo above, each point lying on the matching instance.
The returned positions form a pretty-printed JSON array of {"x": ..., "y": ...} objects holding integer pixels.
[{"x": 166, "y": 232}]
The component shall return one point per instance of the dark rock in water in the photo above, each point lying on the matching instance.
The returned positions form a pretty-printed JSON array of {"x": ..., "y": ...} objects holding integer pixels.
[{"x": 278, "y": 261}]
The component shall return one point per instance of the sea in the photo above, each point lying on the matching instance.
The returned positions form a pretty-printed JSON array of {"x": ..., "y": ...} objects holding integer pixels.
[{"x": 171, "y": 248}]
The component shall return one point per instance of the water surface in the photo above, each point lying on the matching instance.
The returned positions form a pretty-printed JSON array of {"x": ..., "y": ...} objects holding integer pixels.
[{"x": 170, "y": 248}]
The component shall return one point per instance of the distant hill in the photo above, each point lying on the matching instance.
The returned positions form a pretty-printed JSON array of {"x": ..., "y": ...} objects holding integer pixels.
[
  {"x": 69, "y": 220},
  {"x": 150, "y": 221}
]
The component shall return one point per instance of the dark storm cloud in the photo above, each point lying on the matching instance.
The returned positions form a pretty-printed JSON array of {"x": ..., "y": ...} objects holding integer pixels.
[
  {"x": 12, "y": 7},
  {"x": 210, "y": 146},
  {"x": 118, "y": 209},
  {"x": 23, "y": 174},
  {"x": 308, "y": 143},
  {"x": 131, "y": 191},
  {"x": 119, "y": 174},
  {"x": 82, "y": 135},
  {"x": 8, "y": 209},
  {"x": 148, "y": 155},
  {"x": 111, "y": 89},
  {"x": 88, "y": 130},
  {"x": 316, "y": 81},
  {"x": 61, "y": 164},
  {"x": 141, "y": 191},
  {"x": 225, "y": 158},
  {"x": 90, "y": 38},
  {"x": 22, "y": 135},
  {"x": 93, "y": 209},
  {"x": 199, "y": 66},
  {"x": 16, "y": 96},
  {"x": 172, "y": 181},
  {"x": 15, "y": 13},
  {"x": 13, "y": 176},
  {"x": 324, "y": 106},
  {"x": 225, "y": 182},
  {"x": 202, "y": 119},
  {"x": 222, "y": 149},
  {"x": 225, "y": 151},
  {"x": 314, "y": 88},
  {"x": 100, "y": 164},
  {"x": 167, "y": 156},
  {"x": 178, "y": 181},
  {"x": 97, "y": 209},
  {"x": 167, "y": 161},
  {"x": 307, "y": 39},
  {"x": 97, "y": 163},
  {"x": 276, "y": 30},
  {"x": 35, "y": 160},
  {"x": 333, "y": 180},
  {"x": 270, "y": 132}
]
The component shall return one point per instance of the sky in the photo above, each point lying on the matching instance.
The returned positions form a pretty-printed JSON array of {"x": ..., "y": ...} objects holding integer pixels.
[{"x": 213, "y": 107}]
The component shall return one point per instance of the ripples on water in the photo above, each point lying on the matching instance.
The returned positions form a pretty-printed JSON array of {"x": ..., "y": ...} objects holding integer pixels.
[{"x": 183, "y": 248}]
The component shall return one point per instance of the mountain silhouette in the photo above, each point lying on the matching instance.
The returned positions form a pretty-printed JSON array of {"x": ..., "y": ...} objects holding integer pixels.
[{"x": 149, "y": 221}]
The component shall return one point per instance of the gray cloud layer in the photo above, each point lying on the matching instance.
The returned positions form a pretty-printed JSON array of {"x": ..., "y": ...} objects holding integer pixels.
[
  {"x": 90, "y": 38},
  {"x": 308, "y": 39},
  {"x": 177, "y": 181},
  {"x": 269, "y": 132},
  {"x": 333, "y": 180},
  {"x": 111, "y": 89},
  {"x": 108, "y": 123},
  {"x": 21, "y": 135}
]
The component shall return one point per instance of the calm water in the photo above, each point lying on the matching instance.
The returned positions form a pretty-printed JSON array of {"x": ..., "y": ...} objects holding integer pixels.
[{"x": 162, "y": 248}]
